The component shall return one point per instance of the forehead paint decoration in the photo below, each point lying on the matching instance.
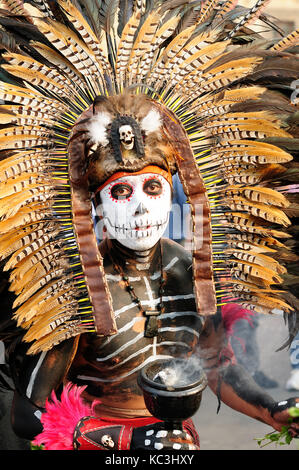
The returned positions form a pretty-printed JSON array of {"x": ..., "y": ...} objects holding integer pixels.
[{"x": 184, "y": 96}]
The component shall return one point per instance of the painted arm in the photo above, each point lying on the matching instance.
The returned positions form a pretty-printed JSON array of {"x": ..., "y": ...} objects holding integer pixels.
[
  {"x": 34, "y": 379},
  {"x": 234, "y": 386}
]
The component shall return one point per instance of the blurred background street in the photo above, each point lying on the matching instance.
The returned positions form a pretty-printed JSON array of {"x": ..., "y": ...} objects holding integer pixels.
[{"x": 230, "y": 430}]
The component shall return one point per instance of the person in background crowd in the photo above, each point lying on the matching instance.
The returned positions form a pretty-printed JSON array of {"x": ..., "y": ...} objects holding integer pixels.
[{"x": 293, "y": 381}]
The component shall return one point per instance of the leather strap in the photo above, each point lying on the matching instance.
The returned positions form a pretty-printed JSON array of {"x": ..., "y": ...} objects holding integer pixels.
[
  {"x": 91, "y": 259},
  {"x": 196, "y": 193}
]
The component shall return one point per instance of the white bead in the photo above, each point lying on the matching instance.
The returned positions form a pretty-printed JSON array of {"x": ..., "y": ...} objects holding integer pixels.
[
  {"x": 147, "y": 442},
  {"x": 282, "y": 403},
  {"x": 177, "y": 431},
  {"x": 38, "y": 414},
  {"x": 150, "y": 433},
  {"x": 161, "y": 433},
  {"x": 177, "y": 446},
  {"x": 158, "y": 446}
]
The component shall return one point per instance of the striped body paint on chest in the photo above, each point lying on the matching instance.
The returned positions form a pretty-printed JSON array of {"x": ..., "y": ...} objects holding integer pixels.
[{"x": 121, "y": 356}]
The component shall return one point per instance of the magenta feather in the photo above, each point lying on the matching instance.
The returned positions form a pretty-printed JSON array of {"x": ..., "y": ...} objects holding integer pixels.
[{"x": 61, "y": 417}]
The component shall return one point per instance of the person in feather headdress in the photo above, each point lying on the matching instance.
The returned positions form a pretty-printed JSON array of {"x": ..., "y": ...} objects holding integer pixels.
[{"x": 104, "y": 111}]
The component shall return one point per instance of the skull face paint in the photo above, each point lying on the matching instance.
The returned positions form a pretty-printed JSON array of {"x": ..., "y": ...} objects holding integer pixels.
[{"x": 135, "y": 209}]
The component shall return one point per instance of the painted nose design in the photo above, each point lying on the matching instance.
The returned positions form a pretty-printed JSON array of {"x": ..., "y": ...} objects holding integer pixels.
[{"x": 141, "y": 209}]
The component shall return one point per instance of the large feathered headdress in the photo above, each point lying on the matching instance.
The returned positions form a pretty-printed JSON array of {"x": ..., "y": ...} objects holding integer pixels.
[{"x": 199, "y": 93}]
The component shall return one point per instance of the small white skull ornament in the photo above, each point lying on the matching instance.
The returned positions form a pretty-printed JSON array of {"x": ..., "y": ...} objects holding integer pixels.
[
  {"x": 107, "y": 441},
  {"x": 126, "y": 135}
]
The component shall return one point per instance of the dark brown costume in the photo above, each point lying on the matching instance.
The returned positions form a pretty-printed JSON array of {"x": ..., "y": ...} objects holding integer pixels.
[{"x": 198, "y": 103}]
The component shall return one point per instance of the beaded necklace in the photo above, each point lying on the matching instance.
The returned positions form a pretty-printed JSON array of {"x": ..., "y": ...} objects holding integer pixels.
[{"x": 151, "y": 324}]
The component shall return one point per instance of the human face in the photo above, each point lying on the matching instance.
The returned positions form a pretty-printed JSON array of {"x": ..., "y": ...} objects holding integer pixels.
[{"x": 135, "y": 209}]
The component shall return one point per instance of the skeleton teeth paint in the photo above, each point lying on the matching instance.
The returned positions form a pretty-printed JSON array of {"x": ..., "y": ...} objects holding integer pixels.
[{"x": 135, "y": 209}]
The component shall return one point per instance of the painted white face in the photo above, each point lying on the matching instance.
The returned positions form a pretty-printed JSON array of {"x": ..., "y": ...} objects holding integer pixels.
[{"x": 135, "y": 209}]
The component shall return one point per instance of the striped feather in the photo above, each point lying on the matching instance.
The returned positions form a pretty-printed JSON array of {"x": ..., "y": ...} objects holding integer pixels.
[
  {"x": 160, "y": 68},
  {"x": 30, "y": 249},
  {"x": 259, "y": 194},
  {"x": 228, "y": 6},
  {"x": 251, "y": 224},
  {"x": 16, "y": 243},
  {"x": 85, "y": 31},
  {"x": 29, "y": 97},
  {"x": 220, "y": 77},
  {"x": 257, "y": 259},
  {"x": 61, "y": 62},
  {"x": 143, "y": 43},
  {"x": 270, "y": 214},
  {"x": 62, "y": 333},
  {"x": 47, "y": 324},
  {"x": 38, "y": 79},
  {"x": 289, "y": 41},
  {"x": 125, "y": 47},
  {"x": 15, "y": 6},
  {"x": 26, "y": 216},
  {"x": 252, "y": 15},
  {"x": 43, "y": 299},
  {"x": 163, "y": 33},
  {"x": 73, "y": 49},
  {"x": 206, "y": 10}
]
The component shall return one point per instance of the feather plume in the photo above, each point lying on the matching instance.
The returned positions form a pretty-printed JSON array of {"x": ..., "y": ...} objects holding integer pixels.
[
  {"x": 259, "y": 194},
  {"x": 39, "y": 302},
  {"x": 72, "y": 48},
  {"x": 62, "y": 301},
  {"x": 143, "y": 43},
  {"x": 159, "y": 38},
  {"x": 15, "y": 6},
  {"x": 62, "y": 333},
  {"x": 46, "y": 325},
  {"x": 59, "y": 61},
  {"x": 160, "y": 67},
  {"x": 219, "y": 77},
  {"x": 125, "y": 45},
  {"x": 66, "y": 414},
  {"x": 228, "y": 6},
  {"x": 271, "y": 214},
  {"x": 206, "y": 10},
  {"x": 19, "y": 241},
  {"x": 85, "y": 31},
  {"x": 286, "y": 43},
  {"x": 204, "y": 72},
  {"x": 259, "y": 259},
  {"x": 251, "y": 16}
]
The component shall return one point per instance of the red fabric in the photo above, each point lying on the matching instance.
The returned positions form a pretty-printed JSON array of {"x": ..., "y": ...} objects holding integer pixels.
[
  {"x": 128, "y": 425},
  {"x": 231, "y": 313},
  {"x": 62, "y": 416}
]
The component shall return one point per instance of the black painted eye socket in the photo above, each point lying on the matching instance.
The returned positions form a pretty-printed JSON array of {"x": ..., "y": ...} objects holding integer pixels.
[
  {"x": 153, "y": 187},
  {"x": 121, "y": 191}
]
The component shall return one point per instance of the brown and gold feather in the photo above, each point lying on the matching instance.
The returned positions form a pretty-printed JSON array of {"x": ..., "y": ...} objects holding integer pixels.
[{"x": 228, "y": 110}]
